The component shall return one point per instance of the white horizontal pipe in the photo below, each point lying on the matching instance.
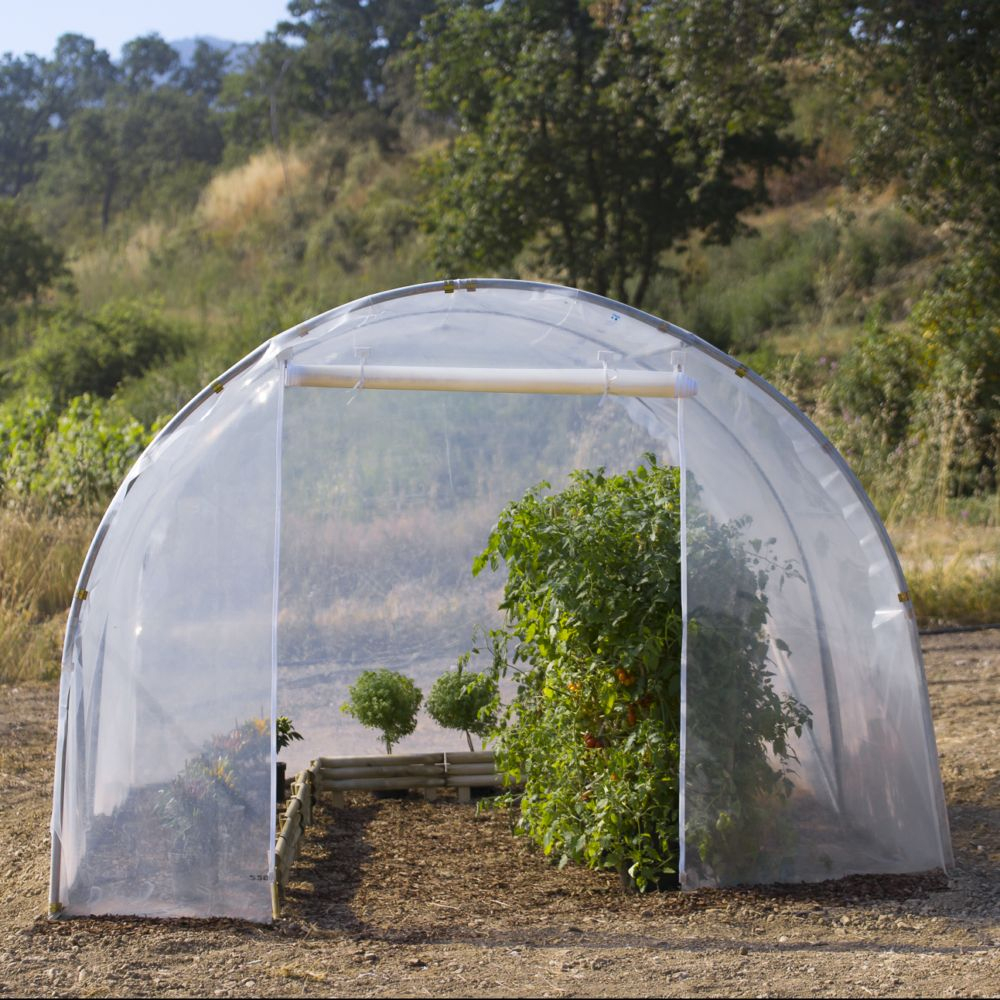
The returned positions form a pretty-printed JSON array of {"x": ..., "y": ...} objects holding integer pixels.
[{"x": 560, "y": 381}]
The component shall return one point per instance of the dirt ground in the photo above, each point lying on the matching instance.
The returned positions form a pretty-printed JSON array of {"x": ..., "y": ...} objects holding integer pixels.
[{"x": 417, "y": 899}]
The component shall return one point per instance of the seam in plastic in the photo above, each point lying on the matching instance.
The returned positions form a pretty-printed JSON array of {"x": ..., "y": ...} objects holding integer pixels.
[
  {"x": 682, "y": 764},
  {"x": 279, "y": 431}
]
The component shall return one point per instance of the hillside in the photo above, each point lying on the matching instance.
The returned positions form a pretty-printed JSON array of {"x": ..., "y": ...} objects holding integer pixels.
[{"x": 166, "y": 215}]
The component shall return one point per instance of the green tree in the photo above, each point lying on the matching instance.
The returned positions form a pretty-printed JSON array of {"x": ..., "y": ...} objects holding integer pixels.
[
  {"x": 146, "y": 62},
  {"x": 464, "y": 701},
  {"x": 344, "y": 48},
  {"x": 585, "y": 138},
  {"x": 923, "y": 79},
  {"x": 28, "y": 262},
  {"x": 204, "y": 76},
  {"x": 254, "y": 100},
  {"x": 138, "y": 149},
  {"x": 25, "y": 109},
  {"x": 79, "y": 75}
]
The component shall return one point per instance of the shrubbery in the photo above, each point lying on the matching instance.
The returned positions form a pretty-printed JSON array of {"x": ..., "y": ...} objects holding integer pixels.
[
  {"x": 387, "y": 701},
  {"x": 464, "y": 701},
  {"x": 916, "y": 409},
  {"x": 70, "y": 459},
  {"x": 28, "y": 262},
  {"x": 73, "y": 354}
]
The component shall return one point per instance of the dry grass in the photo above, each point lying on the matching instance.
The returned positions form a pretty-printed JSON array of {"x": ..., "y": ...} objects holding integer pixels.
[
  {"x": 40, "y": 559},
  {"x": 250, "y": 191},
  {"x": 952, "y": 568}
]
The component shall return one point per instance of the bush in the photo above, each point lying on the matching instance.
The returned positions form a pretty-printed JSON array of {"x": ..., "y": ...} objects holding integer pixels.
[
  {"x": 76, "y": 354},
  {"x": 387, "y": 701},
  {"x": 74, "y": 459},
  {"x": 916, "y": 409},
  {"x": 464, "y": 701},
  {"x": 592, "y": 632},
  {"x": 28, "y": 262}
]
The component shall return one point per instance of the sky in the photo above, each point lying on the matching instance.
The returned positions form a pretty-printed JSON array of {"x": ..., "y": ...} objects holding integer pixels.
[{"x": 34, "y": 25}]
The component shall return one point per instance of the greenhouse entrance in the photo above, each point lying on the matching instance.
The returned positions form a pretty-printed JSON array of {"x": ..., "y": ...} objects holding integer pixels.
[{"x": 378, "y": 540}]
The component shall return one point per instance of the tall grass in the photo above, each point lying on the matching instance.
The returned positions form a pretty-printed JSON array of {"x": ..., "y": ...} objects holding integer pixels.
[
  {"x": 40, "y": 559},
  {"x": 250, "y": 191},
  {"x": 952, "y": 568}
]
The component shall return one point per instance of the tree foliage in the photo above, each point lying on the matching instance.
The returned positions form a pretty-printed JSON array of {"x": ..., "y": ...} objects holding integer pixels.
[
  {"x": 25, "y": 110},
  {"x": 584, "y": 137},
  {"x": 923, "y": 77},
  {"x": 73, "y": 354},
  {"x": 103, "y": 136},
  {"x": 464, "y": 701},
  {"x": 345, "y": 47},
  {"x": 28, "y": 262}
]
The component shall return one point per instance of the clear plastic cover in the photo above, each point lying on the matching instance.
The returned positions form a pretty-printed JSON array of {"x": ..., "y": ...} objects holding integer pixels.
[
  {"x": 809, "y": 752},
  {"x": 166, "y": 804},
  {"x": 387, "y": 497},
  {"x": 286, "y": 539}
]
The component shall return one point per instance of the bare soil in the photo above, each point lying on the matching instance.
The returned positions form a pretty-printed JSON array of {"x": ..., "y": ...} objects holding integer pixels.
[{"x": 411, "y": 898}]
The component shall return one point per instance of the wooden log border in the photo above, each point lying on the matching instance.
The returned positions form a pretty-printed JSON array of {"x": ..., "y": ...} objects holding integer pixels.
[
  {"x": 297, "y": 816},
  {"x": 428, "y": 772}
]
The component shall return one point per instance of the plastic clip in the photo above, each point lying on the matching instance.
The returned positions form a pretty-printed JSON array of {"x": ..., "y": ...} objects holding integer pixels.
[
  {"x": 362, "y": 353},
  {"x": 603, "y": 356}
]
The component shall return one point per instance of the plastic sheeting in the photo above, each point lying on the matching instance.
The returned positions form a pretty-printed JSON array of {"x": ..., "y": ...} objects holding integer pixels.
[
  {"x": 164, "y": 793},
  {"x": 859, "y": 789},
  {"x": 274, "y": 542}
]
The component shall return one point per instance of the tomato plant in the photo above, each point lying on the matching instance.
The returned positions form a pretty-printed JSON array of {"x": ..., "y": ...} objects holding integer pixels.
[{"x": 592, "y": 635}]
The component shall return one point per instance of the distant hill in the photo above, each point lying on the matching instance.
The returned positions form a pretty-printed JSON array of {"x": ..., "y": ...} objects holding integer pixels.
[{"x": 185, "y": 47}]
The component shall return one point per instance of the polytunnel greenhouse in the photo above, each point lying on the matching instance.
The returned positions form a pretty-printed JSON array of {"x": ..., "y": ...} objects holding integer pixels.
[{"x": 314, "y": 513}]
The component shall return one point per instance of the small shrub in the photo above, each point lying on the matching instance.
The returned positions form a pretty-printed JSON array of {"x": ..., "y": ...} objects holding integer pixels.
[
  {"x": 387, "y": 701},
  {"x": 460, "y": 700}
]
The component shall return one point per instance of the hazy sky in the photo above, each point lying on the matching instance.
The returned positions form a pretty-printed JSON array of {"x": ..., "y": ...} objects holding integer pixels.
[{"x": 34, "y": 25}]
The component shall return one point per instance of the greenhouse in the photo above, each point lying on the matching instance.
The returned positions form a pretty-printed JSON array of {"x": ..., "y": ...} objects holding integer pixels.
[{"x": 316, "y": 512}]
